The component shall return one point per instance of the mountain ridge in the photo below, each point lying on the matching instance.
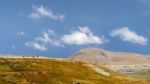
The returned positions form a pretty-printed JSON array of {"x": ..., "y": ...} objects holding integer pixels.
[{"x": 96, "y": 55}]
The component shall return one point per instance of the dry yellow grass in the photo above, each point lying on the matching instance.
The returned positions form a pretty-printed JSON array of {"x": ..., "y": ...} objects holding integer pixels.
[{"x": 50, "y": 71}]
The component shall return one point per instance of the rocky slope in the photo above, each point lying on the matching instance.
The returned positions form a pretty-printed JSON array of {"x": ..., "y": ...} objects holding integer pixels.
[{"x": 123, "y": 62}]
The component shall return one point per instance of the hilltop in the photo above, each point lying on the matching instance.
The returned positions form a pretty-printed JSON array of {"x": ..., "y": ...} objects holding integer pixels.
[{"x": 101, "y": 56}]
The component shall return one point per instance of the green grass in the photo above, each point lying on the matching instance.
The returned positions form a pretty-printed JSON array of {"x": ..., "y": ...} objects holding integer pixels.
[{"x": 50, "y": 71}]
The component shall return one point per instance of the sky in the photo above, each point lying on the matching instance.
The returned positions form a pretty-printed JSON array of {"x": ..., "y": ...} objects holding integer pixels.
[{"x": 57, "y": 28}]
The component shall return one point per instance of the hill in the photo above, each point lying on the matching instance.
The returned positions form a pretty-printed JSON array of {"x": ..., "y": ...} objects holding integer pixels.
[
  {"x": 58, "y": 71},
  {"x": 101, "y": 56},
  {"x": 132, "y": 64}
]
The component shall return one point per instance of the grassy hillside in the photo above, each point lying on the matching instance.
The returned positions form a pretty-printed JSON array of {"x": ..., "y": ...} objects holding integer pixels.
[{"x": 52, "y": 71}]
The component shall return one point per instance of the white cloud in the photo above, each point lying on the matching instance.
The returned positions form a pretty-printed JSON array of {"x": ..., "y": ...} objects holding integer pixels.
[
  {"x": 82, "y": 36},
  {"x": 129, "y": 36},
  {"x": 49, "y": 37},
  {"x": 22, "y": 33},
  {"x": 41, "y": 11},
  {"x": 46, "y": 39},
  {"x": 36, "y": 45}
]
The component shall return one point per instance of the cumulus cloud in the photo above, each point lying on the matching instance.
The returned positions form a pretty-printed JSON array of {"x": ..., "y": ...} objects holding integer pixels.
[
  {"x": 41, "y": 11},
  {"x": 46, "y": 39},
  {"x": 82, "y": 36},
  {"x": 22, "y": 33},
  {"x": 128, "y": 35}
]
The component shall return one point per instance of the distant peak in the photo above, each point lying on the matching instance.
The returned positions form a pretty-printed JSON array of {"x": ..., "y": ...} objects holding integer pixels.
[{"x": 101, "y": 56}]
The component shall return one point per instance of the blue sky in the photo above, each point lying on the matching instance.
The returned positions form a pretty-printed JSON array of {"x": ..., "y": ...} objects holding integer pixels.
[{"x": 57, "y": 28}]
